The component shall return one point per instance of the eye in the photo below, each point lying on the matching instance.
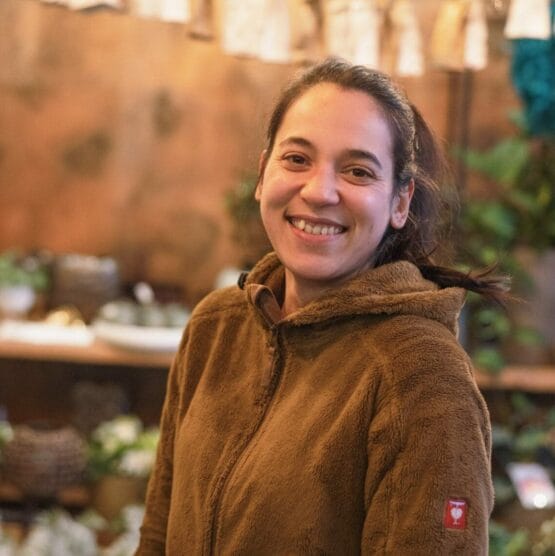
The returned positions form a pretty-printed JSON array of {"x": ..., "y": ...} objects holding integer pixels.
[
  {"x": 295, "y": 161},
  {"x": 359, "y": 174}
]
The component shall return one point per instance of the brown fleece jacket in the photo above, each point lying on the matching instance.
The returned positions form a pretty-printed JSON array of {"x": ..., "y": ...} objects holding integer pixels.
[{"x": 349, "y": 427}]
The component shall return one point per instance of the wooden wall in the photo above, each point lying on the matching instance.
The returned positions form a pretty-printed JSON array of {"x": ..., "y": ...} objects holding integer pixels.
[{"x": 120, "y": 136}]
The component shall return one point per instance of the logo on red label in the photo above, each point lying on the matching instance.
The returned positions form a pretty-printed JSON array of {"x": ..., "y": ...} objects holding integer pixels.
[{"x": 455, "y": 514}]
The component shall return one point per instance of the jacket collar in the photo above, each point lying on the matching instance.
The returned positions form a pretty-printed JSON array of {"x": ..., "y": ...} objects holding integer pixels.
[{"x": 393, "y": 289}]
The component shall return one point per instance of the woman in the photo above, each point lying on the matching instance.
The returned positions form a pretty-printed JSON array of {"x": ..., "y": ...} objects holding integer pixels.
[{"x": 324, "y": 406}]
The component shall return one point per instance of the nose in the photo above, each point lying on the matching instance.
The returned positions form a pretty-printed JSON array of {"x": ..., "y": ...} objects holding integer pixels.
[{"x": 320, "y": 188}]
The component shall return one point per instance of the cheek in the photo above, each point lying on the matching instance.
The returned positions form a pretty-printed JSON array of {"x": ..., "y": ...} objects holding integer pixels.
[{"x": 273, "y": 192}]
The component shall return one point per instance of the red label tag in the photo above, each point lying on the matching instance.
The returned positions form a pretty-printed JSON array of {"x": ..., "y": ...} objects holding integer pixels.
[{"x": 455, "y": 514}]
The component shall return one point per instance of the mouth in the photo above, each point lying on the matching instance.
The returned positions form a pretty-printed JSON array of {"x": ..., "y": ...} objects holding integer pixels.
[{"x": 315, "y": 227}]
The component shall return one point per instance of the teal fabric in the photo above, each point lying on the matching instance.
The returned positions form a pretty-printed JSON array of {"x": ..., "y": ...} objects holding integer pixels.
[{"x": 533, "y": 76}]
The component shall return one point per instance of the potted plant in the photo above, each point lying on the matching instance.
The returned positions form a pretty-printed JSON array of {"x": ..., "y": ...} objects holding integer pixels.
[
  {"x": 21, "y": 278},
  {"x": 121, "y": 454},
  {"x": 248, "y": 231},
  {"x": 512, "y": 227}
]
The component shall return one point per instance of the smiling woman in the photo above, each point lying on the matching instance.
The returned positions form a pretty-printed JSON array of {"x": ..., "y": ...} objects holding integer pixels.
[
  {"x": 326, "y": 190},
  {"x": 325, "y": 405}
]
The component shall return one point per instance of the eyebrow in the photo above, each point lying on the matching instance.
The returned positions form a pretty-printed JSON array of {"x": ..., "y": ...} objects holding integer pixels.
[{"x": 355, "y": 153}]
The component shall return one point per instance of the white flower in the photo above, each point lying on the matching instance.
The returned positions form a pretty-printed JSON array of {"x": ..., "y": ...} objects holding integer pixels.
[
  {"x": 127, "y": 429},
  {"x": 57, "y": 534},
  {"x": 137, "y": 463},
  {"x": 132, "y": 516},
  {"x": 124, "y": 429},
  {"x": 125, "y": 545}
]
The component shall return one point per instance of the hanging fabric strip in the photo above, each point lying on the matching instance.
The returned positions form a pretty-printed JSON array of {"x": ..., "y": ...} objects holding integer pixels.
[
  {"x": 353, "y": 31},
  {"x": 476, "y": 40},
  {"x": 241, "y": 23},
  {"x": 175, "y": 11},
  {"x": 305, "y": 30},
  {"x": 256, "y": 28},
  {"x": 448, "y": 35},
  {"x": 410, "y": 59},
  {"x": 202, "y": 21},
  {"x": 275, "y": 34},
  {"x": 528, "y": 19},
  {"x": 144, "y": 8}
]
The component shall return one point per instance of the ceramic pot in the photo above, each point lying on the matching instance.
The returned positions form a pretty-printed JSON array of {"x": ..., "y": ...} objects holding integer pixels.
[
  {"x": 16, "y": 301},
  {"x": 111, "y": 493}
]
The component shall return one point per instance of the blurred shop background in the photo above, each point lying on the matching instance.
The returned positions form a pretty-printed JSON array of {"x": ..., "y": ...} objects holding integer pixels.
[{"x": 130, "y": 132}]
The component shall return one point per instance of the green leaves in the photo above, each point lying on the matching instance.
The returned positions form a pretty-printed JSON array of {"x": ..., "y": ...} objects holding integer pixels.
[
  {"x": 16, "y": 270},
  {"x": 503, "y": 163}
]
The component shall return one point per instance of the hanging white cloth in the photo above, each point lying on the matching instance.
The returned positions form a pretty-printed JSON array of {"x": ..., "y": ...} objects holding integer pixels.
[
  {"x": 241, "y": 22},
  {"x": 257, "y": 28},
  {"x": 144, "y": 8},
  {"x": 353, "y": 31},
  {"x": 305, "y": 30},
  {"x": 410, "y": 58},
  {"x": 175, "y": 11},
  {"x": 447, "y": 44},
  {"x": 201, "y": 25},
  {"x": 275, "y": 32},
  {"x": 476, "y": 39},
  {"x": 528, "y": 19}
]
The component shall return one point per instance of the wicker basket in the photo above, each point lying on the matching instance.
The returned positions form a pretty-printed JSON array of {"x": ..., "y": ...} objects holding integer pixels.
[
  {"x": 42, "y": 459},
  {"x": 84, "y": 281}
]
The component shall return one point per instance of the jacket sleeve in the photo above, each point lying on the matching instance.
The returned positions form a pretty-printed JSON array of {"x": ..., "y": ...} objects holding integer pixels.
[
  {"x": 428, "y": 487},
  {"x": 153, "y": 529}
]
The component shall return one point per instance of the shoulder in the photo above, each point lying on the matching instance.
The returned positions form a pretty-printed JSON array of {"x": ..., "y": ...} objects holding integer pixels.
[
  {"x": 424, "y": 358},
  {"x": 220, "y": 303}
]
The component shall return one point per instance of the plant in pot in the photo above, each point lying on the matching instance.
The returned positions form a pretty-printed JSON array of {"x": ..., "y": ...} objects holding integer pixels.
[
  {"x": 21, "y": 278},
  {"x": 121, "y": 454},
  {"x": 248, "y": 231},
  {"x": 512, "y": 228}
]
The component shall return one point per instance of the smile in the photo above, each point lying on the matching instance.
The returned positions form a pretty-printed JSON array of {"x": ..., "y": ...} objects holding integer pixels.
[{"x": 316, "y": 229}]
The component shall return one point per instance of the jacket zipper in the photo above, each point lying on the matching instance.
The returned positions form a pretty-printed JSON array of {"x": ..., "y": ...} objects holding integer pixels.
[{"x": 274, "y": 376}]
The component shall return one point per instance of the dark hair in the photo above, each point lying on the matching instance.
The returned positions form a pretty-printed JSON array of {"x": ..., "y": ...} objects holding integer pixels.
[{"x": 417, "y": 156}]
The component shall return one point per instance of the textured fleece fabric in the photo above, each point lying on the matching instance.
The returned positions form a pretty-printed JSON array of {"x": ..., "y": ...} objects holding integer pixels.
[{"x": 343, "y": 428}]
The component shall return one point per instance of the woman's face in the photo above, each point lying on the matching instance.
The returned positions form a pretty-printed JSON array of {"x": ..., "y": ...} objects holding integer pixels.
[{"x": 326, "y": 191}]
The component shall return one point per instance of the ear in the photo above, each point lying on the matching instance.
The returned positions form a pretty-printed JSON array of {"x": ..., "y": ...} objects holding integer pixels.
[
  {"x": 261, "y": 167},
  {"x": 401, "y": 205}
]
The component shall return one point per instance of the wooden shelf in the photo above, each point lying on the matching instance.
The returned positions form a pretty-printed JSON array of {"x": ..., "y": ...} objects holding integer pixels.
[
  {"x": 526, "y": 378},
  {"x": 97, "y": 353},
  {"x": 533, "y": 378}
]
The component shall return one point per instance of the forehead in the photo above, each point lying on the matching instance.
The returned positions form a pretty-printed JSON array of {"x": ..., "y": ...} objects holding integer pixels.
[{"x": 336, "y": 113}]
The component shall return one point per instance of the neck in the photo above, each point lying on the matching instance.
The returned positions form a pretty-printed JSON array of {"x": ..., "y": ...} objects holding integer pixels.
[{"x": 299, "y": 293}]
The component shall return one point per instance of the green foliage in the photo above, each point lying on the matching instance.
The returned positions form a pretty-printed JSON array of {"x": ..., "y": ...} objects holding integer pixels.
[
  {"x": 240, "y": 202},
  {"x": 519, "y": 211},
  {"x": 16, "y": 270},
  {"x": 503, "y": 542}
]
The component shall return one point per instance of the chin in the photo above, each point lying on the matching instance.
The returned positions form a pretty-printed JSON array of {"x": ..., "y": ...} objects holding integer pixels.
[{"x": 314, "y": 272}]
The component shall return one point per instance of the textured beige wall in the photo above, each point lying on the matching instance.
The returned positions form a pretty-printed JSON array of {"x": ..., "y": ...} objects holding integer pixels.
[{"x": 120, "y": 136}]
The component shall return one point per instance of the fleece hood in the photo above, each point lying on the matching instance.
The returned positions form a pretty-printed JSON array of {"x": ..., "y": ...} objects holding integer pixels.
[{"x": 393, "y": 289}]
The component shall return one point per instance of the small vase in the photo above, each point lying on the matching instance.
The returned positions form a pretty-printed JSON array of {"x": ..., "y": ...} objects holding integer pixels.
[
  {"x": 111, "y": 493},
  {"x": 16, "y": 301}
]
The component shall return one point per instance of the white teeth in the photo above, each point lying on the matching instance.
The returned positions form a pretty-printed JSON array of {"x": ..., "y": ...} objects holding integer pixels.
[{"x": 316, "y": 229}]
